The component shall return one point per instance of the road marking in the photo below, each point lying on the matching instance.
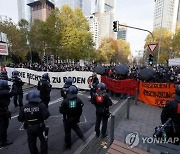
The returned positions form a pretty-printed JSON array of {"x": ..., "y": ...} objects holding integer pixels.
[
  {"x": 55, "y": 116},
  {"x": 22, "y": 127},
  {"x": 85, "y": 120},
  {"x": 115, "y": 101}
]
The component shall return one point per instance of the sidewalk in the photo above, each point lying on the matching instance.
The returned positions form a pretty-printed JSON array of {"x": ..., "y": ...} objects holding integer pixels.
[{"x": 143, "y": 119}]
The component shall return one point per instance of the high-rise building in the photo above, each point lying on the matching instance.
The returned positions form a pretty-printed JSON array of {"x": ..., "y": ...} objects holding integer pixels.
[
  {"x": 122, "y": 33},
  {"x": 85, "y": 5},
  {"x": 40, "y": 10},
  {"x": 104, "y": 6},
  {"x": 165, "y": 14},
  {"x": 178, "y": 15},
  {"x": 101, "y": 21},
  {"x": 24, "y": 11}
]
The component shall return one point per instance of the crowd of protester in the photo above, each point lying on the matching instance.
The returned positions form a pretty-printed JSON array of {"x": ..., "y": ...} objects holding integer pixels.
[{"x": 162, "y": 74}]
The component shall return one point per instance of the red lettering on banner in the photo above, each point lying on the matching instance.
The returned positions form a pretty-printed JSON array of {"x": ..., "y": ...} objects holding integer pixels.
[
  {"x": 127, "y": 86},
  {"x": 178, "y": 108}
]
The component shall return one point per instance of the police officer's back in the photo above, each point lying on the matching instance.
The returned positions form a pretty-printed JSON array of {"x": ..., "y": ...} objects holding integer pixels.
[
  {"x": 67, "y": 84},
  {"x": 172, "y": 110},
  {"x": 102, "y": 102},
  {"x": 44, "y": 87},
  {"x": 71, "y": 108},
  {"x": 5, "y": 95},
  {"x": 17, "y": 88},
  {"x": 3, "y": 75},
  {"x": 33, "y": 115}
]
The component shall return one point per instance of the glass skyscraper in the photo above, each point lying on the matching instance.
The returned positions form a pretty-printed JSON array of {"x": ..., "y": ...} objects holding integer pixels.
[
  {"x": 85, "y": 5},
  {"x": 24, "y": 11}
]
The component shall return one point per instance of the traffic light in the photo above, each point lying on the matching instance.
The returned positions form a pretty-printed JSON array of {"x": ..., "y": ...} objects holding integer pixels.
[
  {"x": 44, "y": 59},
  {"x": 150, "y": 59},
  {"x": 115, "y": 26}
]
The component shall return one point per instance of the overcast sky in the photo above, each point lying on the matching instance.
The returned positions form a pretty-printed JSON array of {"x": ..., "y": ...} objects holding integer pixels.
[{"x": 136, "y": 13}]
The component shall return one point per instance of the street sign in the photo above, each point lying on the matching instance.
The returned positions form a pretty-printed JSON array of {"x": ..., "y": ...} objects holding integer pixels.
[
  {"x": 152, "y": 47},
  {"x": 3, "y": 49}
]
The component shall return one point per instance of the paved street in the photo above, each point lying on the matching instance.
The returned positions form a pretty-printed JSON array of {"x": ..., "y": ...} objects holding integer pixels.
[{"x": 56, "y": 133}]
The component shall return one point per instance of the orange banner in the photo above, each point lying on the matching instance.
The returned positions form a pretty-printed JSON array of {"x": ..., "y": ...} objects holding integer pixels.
[{"x": 156, "y": 93}]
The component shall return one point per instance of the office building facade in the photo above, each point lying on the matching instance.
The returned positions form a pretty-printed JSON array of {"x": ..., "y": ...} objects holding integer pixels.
[
  {"x": 101, "y": 21},
  {"x": 165, "y": 14},
  {"x": 24, "y": 11},
  {"x": 40, "y": 10},
  {"x": 122, "y": 33},
  {"x": 85, "y": 5}
]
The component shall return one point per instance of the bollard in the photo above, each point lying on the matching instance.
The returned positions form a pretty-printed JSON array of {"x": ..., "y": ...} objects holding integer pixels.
[
  {"x": 128, "y": 107},
  {"x": 112, "y": 129},
  {"x": 136, "y": 97}
]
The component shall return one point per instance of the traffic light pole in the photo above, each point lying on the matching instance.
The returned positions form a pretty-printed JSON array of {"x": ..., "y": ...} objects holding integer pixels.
[{"x": 138, "y": 29}]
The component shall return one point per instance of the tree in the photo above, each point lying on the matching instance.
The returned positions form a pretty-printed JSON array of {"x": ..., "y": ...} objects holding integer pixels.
[
  {"x": 76, "y": 40},
  {"x": 107, "y": 51},
  {"x": 166, "y": 42},
  {"x": 175, "y": 43},
  {"x": 37, "y": 36},
  {"x": 16, "y": 42},
  {"x": 113, "y": 51},
  {"x": 124, "y": 50}
]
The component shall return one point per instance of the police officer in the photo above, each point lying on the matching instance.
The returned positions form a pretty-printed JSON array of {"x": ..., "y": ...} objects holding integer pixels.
[
  {"x": 71, "y": 108},
  {"x": 44, "y": 87},
  {"x": 102, "y": 102},
  {"x": 5, "y": 114},
  {"x": 17, "y": 88},
  {"x": 33, "y": 115},
  {"x": 172, "y": 110},
  {"x": 67, "y": 84},
  {"x": 3, "y": 75},
  {"x": 93, "y": 84}
]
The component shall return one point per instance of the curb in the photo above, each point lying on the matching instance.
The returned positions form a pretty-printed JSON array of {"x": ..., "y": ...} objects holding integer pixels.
[{"x": 90, "y": 138}]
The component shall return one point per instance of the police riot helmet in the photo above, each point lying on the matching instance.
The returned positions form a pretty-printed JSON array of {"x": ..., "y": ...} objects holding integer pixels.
[
  {"x": 101, "y": 86},
  {"x": 4, "y": 84},
  {"x": 33, "y": 96},
  {"x": 45, "y": 76},
  {"x": 69, "y": 81},
  {"x": 72, "y": 90},
  {"x": 15, "y": 74},
  {"x": 3, "y": 74},
  {"x": 178, "y": 90}
]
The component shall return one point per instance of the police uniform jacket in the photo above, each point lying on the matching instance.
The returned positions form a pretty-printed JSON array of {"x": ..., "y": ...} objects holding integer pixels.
[
  {"x": 17, "y": 85},
  {"x": 71, "y": 108},
  {"x": 33, "y": 113},
  {"x": 103, "y": 103},
  {"x": 5, "y": 97},
  {"x": 44, "y": 87},
  {"x": 64, "y": 90},
  {"x": 172, "y": 110}
]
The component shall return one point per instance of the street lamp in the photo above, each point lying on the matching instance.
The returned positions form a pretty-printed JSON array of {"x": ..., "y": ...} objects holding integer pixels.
[{"x": 29, "y": 50}]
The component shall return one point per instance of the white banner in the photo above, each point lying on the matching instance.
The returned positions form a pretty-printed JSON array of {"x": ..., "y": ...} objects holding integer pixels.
[{"x": 57, "y": 79}]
